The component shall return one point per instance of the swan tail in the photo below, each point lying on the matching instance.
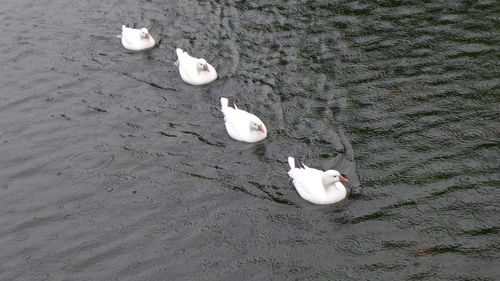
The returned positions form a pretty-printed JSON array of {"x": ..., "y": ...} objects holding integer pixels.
[
  {"x": 296, "y": 163},
  {"x": 224, "y": 102},
  {"x": 179, "y": 52}
]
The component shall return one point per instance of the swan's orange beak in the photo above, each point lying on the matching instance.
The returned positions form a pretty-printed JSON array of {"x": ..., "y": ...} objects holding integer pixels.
[
  {"x": 205, "y": 67},
  {"x": 261, "y": 128},
  {"x": 344, "y": 179}
]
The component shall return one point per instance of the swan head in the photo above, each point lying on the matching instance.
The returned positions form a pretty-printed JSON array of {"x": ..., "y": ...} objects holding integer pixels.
[
  {"x": 145, "y": 33},
  {"x": 257, "y": 126},
  {"x": 332, "y": 176},
  {"x": 202, "y": 65}
]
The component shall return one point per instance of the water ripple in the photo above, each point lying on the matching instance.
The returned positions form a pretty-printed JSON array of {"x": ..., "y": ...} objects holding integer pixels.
[{"x": 130, "y": 173}]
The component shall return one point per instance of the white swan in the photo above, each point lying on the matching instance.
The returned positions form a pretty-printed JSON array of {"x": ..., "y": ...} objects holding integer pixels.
[
  {"x": 136, "y": 39},
  {"x": 241, "y": 125},
  {"x": 194, "y": 71},
  {"x": 316, "y": 186}
]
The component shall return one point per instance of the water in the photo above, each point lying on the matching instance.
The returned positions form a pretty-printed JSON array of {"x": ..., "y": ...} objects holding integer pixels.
[{"x": 112, "y": 168}]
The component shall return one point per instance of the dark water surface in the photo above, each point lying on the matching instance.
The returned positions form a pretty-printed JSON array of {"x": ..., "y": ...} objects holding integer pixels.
[{"x": 112, "y": 168}]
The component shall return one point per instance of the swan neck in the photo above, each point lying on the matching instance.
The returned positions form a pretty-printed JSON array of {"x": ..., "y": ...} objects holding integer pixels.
[{"x": 339, "y": 186}]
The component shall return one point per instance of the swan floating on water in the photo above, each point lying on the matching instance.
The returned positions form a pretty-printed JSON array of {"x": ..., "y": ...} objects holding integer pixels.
[
  {"x": 316, "y": 186},
  {"x": 193, "y": 70},
  {"x": 241, "y": 125},
  {"x": 136, "y": 39}
]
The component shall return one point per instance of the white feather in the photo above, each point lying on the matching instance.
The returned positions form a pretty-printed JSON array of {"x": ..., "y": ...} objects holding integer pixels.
[
  {"x": 241, "y": 125},
  {"x": 316, "y": 186},
  {"x": 191, "y": 69},
  {"x": 135, "y": 40}
]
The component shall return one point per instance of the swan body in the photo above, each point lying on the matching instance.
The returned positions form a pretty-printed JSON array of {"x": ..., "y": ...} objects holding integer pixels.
[
  {"x": 241, "y": 125},
  {"x": 316, "y": 186},
  {"x": 136, "y": 39},
  {"x": 193, "y": 70}
]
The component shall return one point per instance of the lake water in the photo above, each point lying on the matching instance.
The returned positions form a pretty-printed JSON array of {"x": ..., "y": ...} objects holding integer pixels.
[{"x": 112, "y": 168}]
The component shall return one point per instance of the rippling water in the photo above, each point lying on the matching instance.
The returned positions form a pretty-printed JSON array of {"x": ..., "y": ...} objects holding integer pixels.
[{"x": 112, "y": 168}]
